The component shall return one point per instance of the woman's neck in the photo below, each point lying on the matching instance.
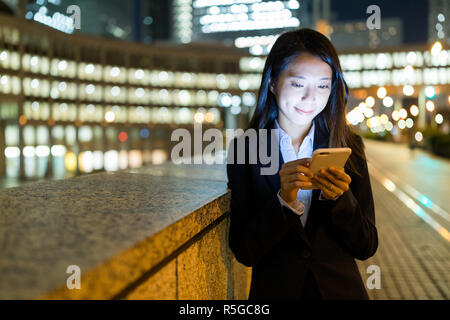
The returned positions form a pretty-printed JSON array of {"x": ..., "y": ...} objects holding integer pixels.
[{"x": 295, "y": 131}]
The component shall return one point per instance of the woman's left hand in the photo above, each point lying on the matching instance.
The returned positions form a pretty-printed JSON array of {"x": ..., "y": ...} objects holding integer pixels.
[{"x": 333, "y": 182}]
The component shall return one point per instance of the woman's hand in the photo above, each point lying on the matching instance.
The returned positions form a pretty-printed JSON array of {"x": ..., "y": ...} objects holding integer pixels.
[
  {"x": 294, "y": 175},
  {"x": 333, "y": 182}
]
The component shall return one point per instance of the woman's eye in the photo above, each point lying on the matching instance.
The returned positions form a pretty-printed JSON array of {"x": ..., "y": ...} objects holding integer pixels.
[
  {"x": 324, "y": 86},
  {"x": 297, "y": 85}
]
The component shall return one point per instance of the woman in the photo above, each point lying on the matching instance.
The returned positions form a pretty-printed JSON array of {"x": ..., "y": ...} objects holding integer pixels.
[{"x": 301, "y": 243}]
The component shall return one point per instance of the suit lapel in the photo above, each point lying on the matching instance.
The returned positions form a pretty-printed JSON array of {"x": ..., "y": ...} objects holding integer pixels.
[{"x": 274, "y": 179}]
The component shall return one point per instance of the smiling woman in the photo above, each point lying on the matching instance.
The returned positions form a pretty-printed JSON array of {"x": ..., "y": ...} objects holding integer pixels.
[
  {"x": 302, "y": 92},
  {"x": 302, "y": 243}
]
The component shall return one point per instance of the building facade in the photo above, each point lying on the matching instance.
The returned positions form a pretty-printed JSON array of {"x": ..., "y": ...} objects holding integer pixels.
[{"x": 75, "y": 104}]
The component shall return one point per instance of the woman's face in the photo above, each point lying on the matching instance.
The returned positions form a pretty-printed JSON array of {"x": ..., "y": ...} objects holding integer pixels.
[{"x": 303, "y": 89}]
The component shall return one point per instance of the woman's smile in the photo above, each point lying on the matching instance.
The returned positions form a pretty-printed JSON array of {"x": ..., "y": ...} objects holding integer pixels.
[{"x": 304, "y": 111}]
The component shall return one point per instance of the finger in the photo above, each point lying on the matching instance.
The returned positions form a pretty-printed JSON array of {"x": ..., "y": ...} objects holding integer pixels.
[
  {"x": 339, "y": 183},
  {"x": 329, "y": 186},
  {"x": 328, "y": 195},
  {"x": 322, "y": 183},
  {"x": 293, "y": 168},
  {"x": 303, "y": 162},
  {"x": 296, "y": 169},
  {"x": 340, "y": 174},
  {"x": 326, "y": 192},
  {"x": 295, "y": 177},
  {"x": 297, "y": 184}
]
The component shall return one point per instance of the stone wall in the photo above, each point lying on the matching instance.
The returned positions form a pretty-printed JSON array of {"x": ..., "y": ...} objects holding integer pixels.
[
  {"x": 204, "y": 270},
  {"x": 159, "y": 232}
]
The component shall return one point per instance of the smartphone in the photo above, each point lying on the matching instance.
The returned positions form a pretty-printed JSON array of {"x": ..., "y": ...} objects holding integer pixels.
[{"x": 328, "y": 157}]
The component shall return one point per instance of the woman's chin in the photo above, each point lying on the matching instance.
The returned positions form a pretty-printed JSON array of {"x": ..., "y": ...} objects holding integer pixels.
[{"x": 302, "y": 120}]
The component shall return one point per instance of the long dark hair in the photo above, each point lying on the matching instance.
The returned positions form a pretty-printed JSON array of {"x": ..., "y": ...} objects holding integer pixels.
[{"x": 332, "y": 119}]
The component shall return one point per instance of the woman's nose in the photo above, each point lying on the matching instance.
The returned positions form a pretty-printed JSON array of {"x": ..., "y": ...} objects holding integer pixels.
[{"x": 308, "y": 94}]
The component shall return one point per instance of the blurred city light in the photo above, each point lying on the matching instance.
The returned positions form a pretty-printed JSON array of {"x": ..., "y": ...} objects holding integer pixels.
[
  {"x": 436, "y": 48},
  {"x": 395, "y": 115},
  {"x": 409, "y": 122},
  {"x": 430, "y": 105},
  {"x": 430, "y": 92},
  {"x": 418, "y": 136},
  {"x": 414, "y": 110},
  {"x": 439, "y": 118},
  {"x": 389, "y": 126},
  {"x": 402, "y": 113},
  {"x": 123, "y": 136},
  {"x": 381, "y": 92},
  {"x": 408, "y": 90},
  {"x": 388, "y": 102},
  {"x": 110, "y": 116},
  {"x": 370, "y": 101},
  {"x": 409, "y": 72}
]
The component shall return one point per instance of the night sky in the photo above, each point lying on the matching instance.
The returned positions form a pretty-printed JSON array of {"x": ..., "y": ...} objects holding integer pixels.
[{"x": 414, "y": 14}]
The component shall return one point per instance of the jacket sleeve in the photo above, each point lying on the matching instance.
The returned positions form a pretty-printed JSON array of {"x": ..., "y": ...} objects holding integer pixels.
[
  {"x": 352, "y": 216},
  {"x": 253, "y": 232}
]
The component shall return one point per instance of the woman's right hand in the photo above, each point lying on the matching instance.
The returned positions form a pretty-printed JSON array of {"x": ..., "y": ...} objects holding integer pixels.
[{"x": 294, "y": 175}]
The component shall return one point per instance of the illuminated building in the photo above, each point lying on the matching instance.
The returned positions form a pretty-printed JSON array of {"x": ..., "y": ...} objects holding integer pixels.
[
  {"x": 414, "y": 77},
  {"x": 73, "y": 103},
  {"x": 249, "y": 24},
  {"x": 138, "y": 20}
]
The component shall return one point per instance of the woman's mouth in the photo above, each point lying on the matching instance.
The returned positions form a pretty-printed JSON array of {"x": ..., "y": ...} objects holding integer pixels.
[{"x": 301, "y": 111}]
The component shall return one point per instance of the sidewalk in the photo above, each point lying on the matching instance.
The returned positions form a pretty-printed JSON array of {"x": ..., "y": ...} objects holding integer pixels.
[{"x": 414, "y": 259}]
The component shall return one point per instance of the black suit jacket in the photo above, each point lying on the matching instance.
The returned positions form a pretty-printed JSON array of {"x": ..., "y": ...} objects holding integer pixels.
[{"x": 282, "y": 253}]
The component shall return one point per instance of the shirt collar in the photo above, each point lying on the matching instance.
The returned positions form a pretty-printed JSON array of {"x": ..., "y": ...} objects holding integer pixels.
[{"x": 284, "y": 135}]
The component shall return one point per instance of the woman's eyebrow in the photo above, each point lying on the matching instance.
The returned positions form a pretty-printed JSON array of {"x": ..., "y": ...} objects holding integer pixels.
[{"x": 302, "y": 77}]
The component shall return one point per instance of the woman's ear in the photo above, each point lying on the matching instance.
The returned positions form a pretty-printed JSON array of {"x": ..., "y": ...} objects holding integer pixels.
[{"x": 271, "y": 86}]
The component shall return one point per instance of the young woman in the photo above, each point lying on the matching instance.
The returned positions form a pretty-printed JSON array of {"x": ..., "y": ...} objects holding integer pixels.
[{"x": 300, "y": 243}]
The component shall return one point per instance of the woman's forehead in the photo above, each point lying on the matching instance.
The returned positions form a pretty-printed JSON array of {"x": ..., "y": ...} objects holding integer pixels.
[{"x": 306, "y": 65}]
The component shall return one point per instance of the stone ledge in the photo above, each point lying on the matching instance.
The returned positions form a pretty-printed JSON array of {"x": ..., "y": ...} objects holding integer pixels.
[{"x": 115, "y": 226}]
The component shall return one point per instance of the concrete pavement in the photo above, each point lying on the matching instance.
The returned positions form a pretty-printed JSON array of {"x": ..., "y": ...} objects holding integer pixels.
[{"x": 410, "y": 191}]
